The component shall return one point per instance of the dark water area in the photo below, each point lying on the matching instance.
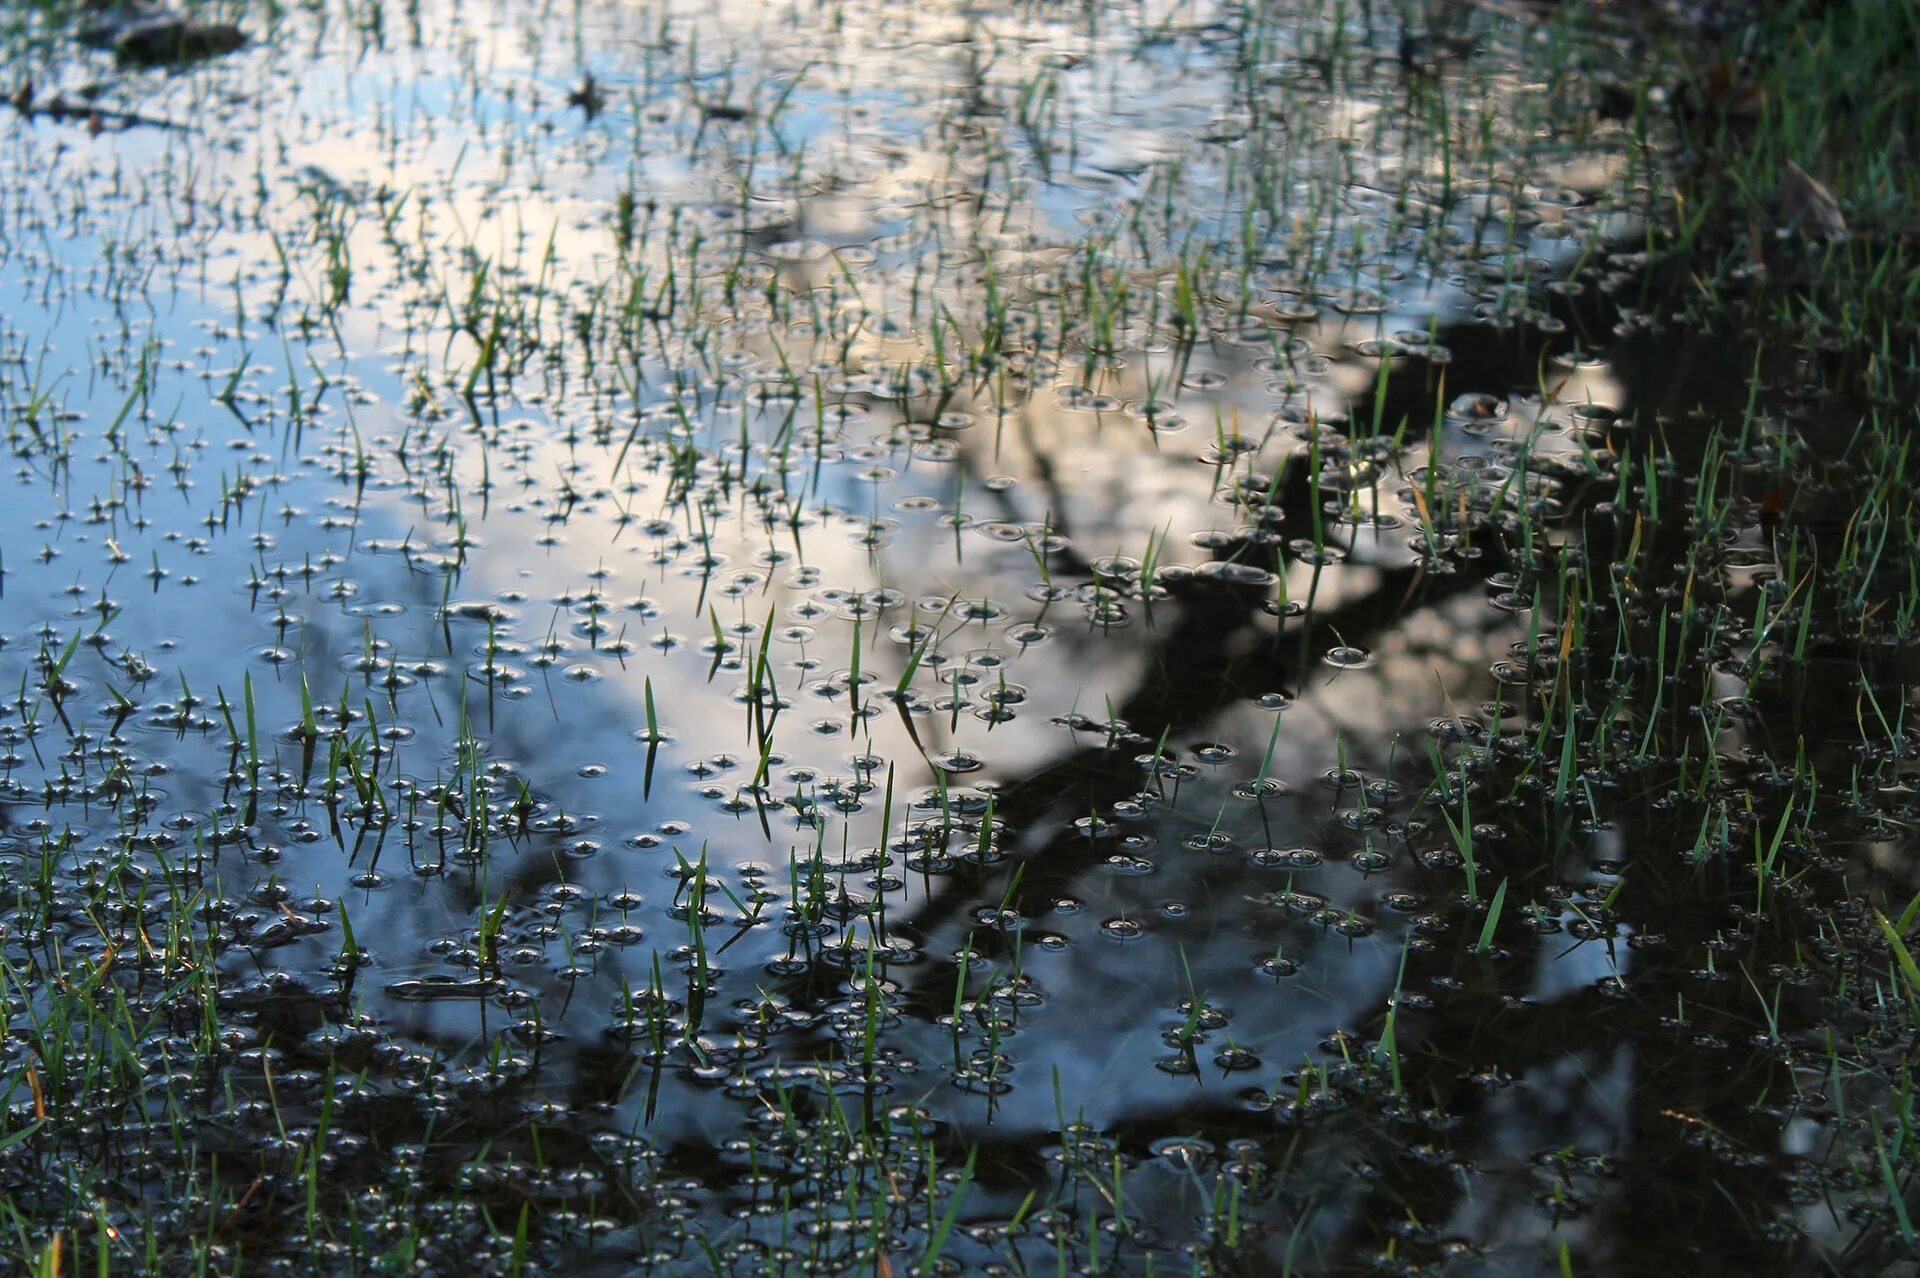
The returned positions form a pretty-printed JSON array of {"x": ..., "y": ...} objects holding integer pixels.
[{"x": 949, "y": 638}]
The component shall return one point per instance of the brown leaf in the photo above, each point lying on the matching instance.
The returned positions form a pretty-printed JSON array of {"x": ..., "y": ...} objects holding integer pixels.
[
  {"x": 1724, "y": 87},
  {"x": 1810, "y": 206}
]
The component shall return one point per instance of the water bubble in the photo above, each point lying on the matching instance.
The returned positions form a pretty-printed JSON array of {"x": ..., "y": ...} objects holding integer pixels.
[
  {"x": 1348, "y": 657},
  {"x": 1260, "y": 789},
  {"x": 1184, "y": 1152},
  {"x": 1287, "y": 858},
  {"x": 1477, "y": 406},
  {"x": 1274, "y": 966}
]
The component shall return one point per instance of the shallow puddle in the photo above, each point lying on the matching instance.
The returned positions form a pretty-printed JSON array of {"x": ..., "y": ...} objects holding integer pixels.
[{"x": 849, "y": 637}]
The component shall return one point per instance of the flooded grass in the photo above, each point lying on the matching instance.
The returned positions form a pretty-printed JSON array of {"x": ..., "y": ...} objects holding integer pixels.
[{"x": 1224, "y": 638}]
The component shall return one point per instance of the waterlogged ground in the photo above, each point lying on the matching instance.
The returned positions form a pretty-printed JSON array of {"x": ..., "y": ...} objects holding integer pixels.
[{"x": 873, "y": 638}]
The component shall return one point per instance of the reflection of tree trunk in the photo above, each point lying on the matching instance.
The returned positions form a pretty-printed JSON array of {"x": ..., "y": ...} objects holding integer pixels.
[
  {"x": 1690, "y": 1156},
  {"x": 1199, "y": 664},
  {"x": 1197, "y": 670},
  {"x": 1697, "y": 1151}
]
